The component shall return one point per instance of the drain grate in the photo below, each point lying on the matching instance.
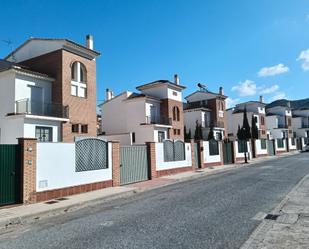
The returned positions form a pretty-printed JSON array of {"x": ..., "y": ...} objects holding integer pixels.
[
  {"x": 51, "y": 202},
  {"x": 271, "y": 217}
]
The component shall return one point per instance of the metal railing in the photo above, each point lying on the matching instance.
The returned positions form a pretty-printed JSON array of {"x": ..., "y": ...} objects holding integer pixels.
[
  {"x": 282, "y": 126},
  {"x": 197, "y": 104},
  {"x": 42, "y": 109},
  {"x": 158, "y": 120},
  {"x": 305, "y": 126}
]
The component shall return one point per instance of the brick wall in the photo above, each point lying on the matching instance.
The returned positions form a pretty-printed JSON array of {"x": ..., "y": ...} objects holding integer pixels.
[
  {"x": 215, "y": 105},
  {"x": 166, "y": 110},
  {"x": 151, "y": 147}
]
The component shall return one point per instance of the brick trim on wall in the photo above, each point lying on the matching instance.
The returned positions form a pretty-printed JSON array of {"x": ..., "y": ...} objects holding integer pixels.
[
  {"x": 58, "y": 193},
  {"x": 173, "y": 171},
  {"x": 116, "y": 163},
  {"x": 151, "y": 150},
  {"x": 28, "y": 169}
]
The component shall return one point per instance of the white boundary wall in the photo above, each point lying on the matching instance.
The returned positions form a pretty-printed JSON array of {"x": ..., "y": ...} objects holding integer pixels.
[
  {"x": 208, "y": 158},
  {"x": 292, "y": 147},
  {"x": 161, "y": 165},
  {"x": 56, "y": 167},
  {"x": 258, "y": 149}
]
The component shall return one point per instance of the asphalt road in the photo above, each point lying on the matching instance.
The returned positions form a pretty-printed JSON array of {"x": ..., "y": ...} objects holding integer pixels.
[{"x": 210, "y": 212}]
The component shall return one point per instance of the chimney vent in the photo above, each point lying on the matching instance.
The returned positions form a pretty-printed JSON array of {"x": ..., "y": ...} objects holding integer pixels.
[
  {"x": 221, "y": 91},
  {"x": 261, "y": 99},
  {"x": 176, "y": 79},
  {"x": 108, "y": 95},
  {"x": 89, "y": 42},
  {"x": 289, "y": 104}
]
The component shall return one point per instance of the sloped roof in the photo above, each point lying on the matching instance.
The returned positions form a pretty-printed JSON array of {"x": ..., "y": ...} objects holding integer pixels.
[
  {"x": 158, "y": 83},
  {"x": 95, "y": 53},
  {"x": 301, "y": 104},
  {"x": 207, "y": 92},
  {"x": 7, "y": 65}
]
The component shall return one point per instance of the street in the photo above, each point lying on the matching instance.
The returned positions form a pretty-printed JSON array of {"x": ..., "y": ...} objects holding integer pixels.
[{"x": 209, "y": 212}]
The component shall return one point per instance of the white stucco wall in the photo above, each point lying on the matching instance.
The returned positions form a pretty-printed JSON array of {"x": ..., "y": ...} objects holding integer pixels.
[
  {"x": 24, "y": 84},
  {"x": 208, "y": 158},
  {"x": 164, "y": 92},
  {"x": 124, "y": 139},
  {"x": 11, "y": 128},
  {"x": 56, "y": 167},
  {"x": 161, "y": 165},
  {"x": 292, "y": 147},
  {"x": 7, "y": 93}
]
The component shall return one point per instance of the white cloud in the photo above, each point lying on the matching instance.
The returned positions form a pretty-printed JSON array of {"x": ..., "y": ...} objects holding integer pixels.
[
  {"x": 304, "y": 58},
  {"x": 278, "y": 95},
  {"x": 231, "y": 102},
  {"x": 269, "y": 90},
  {"x": 246, "y": 88},
  {"x": 274, "y": 70}
]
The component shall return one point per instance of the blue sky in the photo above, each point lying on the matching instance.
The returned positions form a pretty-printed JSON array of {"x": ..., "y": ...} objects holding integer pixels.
[{"x": 249, "y": 47}]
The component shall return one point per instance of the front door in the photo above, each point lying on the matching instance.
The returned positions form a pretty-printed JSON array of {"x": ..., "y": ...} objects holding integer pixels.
[{"x": 161, "y": 136}]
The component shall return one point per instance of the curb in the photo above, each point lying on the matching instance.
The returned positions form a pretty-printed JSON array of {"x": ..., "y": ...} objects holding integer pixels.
[{"x": 28, "y": 219}]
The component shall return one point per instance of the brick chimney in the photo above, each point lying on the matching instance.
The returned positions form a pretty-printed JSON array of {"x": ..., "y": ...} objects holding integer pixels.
[
  {"x": 261, "y": 99},
  {"x": 221, "y": 91}
]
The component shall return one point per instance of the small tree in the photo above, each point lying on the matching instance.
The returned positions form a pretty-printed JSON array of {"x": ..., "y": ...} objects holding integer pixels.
[
  {"x": 211, "y": 132},
  {"x": 254, "y": 129},
  {"x": 244, "y": 133},
  {"x": 198, "y": 134},
  {"x": 187, "y": 134}
]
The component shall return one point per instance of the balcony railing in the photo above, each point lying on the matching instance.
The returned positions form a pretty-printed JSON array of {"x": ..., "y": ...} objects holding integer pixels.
[
  {"x": 158, "y": 120},
  {"x": 305, "y": 126},
  {"x": 282, "y": 126},
  {"x": 42, "y": 109},
  {"x": 197, "y": 104}
]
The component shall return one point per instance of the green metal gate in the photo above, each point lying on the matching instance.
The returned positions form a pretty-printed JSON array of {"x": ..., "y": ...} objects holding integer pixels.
[
  {"x": 10, "y": 174},
  {"x": 228, "y": 152},
  {"x": 133, "y": 164}
]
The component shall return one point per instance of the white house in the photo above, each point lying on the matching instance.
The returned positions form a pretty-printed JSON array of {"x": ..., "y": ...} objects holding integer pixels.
[
  {"x": 152, "y": 115},
  {"x": 25, "y": 105},
  {"x": 207, "y": 109},
  {"x": 300, "y": 123},
  {"x": 255, "y": 109},
  {"x": 279, "y": 124}
]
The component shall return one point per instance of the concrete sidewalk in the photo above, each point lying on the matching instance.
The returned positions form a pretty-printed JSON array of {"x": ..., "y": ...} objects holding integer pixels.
[
  {"x": 18, "y": 215},
  {"x": 291, "y": 227}
]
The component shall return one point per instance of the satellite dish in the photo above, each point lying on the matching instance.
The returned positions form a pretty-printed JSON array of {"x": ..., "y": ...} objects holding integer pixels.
[{"x": 202, "y": 87}]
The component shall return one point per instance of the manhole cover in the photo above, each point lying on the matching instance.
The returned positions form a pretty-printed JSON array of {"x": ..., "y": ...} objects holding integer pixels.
[{"x": 271, "y": 217}]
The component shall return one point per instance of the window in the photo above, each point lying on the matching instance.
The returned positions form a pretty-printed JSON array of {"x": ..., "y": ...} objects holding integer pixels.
[
  {"x": 175, "y": 131},
  {"x": 78, "y": 80},
  {"x": 133, "y": 137},
  {"x": 161, "y": 136},
  {"x": 262, "y": 120},
  {"x": 178, "y": 132},
  {"x": 84, "y": 128},
  {"x": 75, "y": 128},
  {"x": 44, "y": 134},
  {"x": 176, "y": 113},
  {"x": 218, "y": 136},
  {"x": 263, "y": 144}
]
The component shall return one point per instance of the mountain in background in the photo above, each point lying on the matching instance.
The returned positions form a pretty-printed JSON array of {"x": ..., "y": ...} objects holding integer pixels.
[{"x": 295, "y": 104}]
